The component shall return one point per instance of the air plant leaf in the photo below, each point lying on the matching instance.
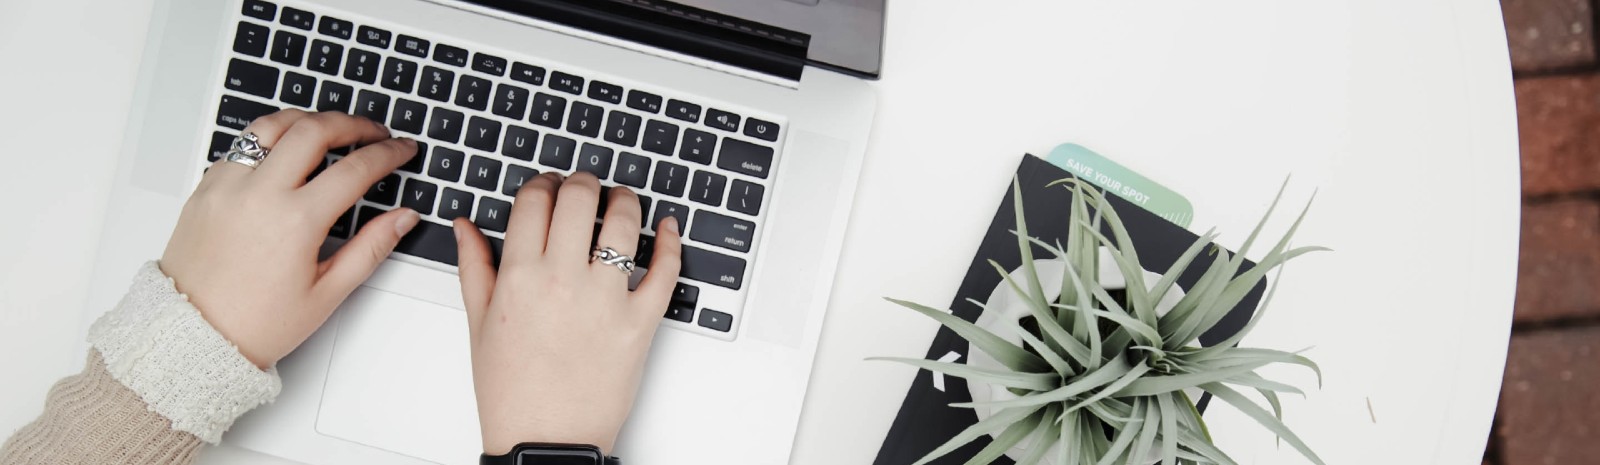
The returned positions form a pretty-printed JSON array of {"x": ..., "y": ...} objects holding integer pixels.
[
  {"x": 1006, "y": 353},
  {"x": 1001, "y": 419},
  {"x": 1010, "y": 437},
  {"x": 1012, "y": 379},
  {"x": 1088, "y": 381},
  {"x": 1052, "y": 329},
  {"x": 1266, "y": 419}
]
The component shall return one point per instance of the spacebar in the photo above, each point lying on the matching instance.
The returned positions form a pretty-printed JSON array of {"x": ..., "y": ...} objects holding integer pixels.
[{"x": 437, "y": 242}]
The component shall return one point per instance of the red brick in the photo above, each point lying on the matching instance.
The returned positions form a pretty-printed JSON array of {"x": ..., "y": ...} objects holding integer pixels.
[
  {"x": 1546, "y": 35},
  {"x": 1559, "y": 121},
  {"x": 1549, "y": 404},
  {"x": 1558, "y": 271}
]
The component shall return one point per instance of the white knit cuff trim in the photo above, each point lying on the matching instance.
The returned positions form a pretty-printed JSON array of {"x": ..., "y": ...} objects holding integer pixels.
[{"x": 156, "y": 343}]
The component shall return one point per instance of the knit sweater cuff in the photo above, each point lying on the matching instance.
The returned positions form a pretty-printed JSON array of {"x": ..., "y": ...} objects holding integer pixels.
[{"x": 158, "y": 345}]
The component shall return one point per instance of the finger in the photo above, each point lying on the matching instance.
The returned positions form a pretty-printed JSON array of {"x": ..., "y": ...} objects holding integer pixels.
[
  {"x": 308, "y": 141},
  {"x": 656, "y": 288},
  {"x": 356, "y": 260},
  {"x": 529, "y": 225},
  {"x": 268, "y": 130},
  {"x": 621, "y": 229},
  {"x": 476, "y": 264},
  {"x": 338, "y": 187},
  {"x": 572, "y": 222}
]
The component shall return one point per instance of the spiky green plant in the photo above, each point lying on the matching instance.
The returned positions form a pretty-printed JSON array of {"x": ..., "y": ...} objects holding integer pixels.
[{"x": 1105, "y": 378}]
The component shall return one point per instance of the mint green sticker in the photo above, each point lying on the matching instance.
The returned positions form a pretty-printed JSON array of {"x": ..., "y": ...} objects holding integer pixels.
[{"x": 1123, "y": 182}]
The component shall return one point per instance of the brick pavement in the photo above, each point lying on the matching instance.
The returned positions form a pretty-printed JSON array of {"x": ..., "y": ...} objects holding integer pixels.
[{"x": 1550, "y": 399}]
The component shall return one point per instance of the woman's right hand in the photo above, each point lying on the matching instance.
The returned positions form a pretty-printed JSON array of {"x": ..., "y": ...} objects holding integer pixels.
[{"x": 558, "y": 342}]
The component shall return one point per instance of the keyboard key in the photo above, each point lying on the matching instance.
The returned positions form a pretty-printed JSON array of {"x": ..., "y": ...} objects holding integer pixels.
[
  {"x": 482, "y": 134},
  {"x": 585, "y": 119},
  {"x": 680, "y": 312},
  {"x": 510, "y": 101},
  {"x": 372, "y": 105},
  {"x": 660, "y": 137},
  {"x": 430, "y": 241},
  {"x": 436, "y": 83},
  {"x": 712, "y": 267},
  {"x": 745, "y": 197},
  {"x": 450, "y": 55},
  {"x": 716, "y": 320},
  {"x": 474, "y": 93},
  {"x": 373, "y": 37},
  {"x": 258, "y": 9},
  {"x": 399, "y": 75},
  {"x": 722, "y": 120},
  {"x": 633, "y": 170},
  {"x": 483, "y": 173},
  {"x": 251, "y": 78},
  {"x": 489, "y": 64},
  {"x": 414, "y": 165},
  {"x": 671, "y": 179},
  {"x": 325, "y": 57},
  {"x": 250, "y": 38},
  {"x": 706, "y": 187},
  {"x": 644, "y": 101},
  {"x": 335, "y": 97},
  {"x": 596, "y": 160},
  {"x": 665, "y": 209},
  {"x": 548, "y": 110},
  {"x": 685, "y": 293},
  {"x": 362, "y": 66},
  {"x": 723, "y": 231},
  {"x": 408, "y": 116},
  {"x": 743, "y": 157},
  {"x": 557, "y": 152},
  {"x": 237, "y": 113},
  {"x": 683, "y": 110},
  {"x": 566, "y": 83},
  {"x": 335, "y": 27},
  {"x": 528, "y": 74},
  {"x": 698, "y": 146},
  {"x": 445, "y": 125},
  {"x": 341, "y": 227},
  {"x": 299, "y": 19},
  {"x": 411, "y": 46},
  {"x": 622, "y": 128},
  {"x": 288, "y": 48},
  {"x": 763, "y": 130},
  {"x": 386, "y": 191},
  {"x": 516, "y": 176},
  {"x": 606, "y": 92},
  {"x": 366, "y": 214},
  {"x": 454, "y": 204},
  {"x": 493, "y": 214},
  {"x": 418, "y": 195},
  {"x": 520, "y": 143},
  {"x": 445, "y": 164},
  {"x": 221, "y": 142}
]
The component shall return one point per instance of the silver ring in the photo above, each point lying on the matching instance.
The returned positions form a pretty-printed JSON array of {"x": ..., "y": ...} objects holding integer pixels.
[
  {"x": 610, "y": 256},
  {"x": 247, "y": 150}
]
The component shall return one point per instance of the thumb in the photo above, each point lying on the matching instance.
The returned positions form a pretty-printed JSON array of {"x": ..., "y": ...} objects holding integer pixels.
[
  {"x": 358, "y": 258},
  {"x": 476, "y": 267}
]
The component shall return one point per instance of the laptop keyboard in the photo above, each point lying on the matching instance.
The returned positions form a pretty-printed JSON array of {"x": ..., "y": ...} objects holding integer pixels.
[{"x": 487, "y": 121}]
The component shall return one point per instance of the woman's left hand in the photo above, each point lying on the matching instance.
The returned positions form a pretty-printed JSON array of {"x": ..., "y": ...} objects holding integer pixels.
[{"x": 246, "y": 246}]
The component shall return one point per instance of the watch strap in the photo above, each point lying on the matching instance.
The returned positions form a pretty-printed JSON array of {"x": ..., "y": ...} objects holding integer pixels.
[{"x": 510, "y": 458}]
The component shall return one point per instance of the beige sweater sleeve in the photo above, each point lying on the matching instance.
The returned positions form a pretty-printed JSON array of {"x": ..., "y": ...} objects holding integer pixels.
[
  {"x": 90, "y": 418},
  {"x": 159, "y": 382}
]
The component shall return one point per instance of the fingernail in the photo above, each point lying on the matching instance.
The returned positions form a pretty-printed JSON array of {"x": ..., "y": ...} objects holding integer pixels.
[
  {"x": 672, "y": 224},
  {"x": 407, "y": 221}
]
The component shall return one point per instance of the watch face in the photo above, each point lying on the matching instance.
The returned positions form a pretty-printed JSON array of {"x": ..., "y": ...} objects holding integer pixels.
[{"x": 559, "y": 457}]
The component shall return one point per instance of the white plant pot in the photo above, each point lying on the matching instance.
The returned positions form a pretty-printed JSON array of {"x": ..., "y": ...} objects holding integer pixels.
[{"x": 1004, "y": 305}]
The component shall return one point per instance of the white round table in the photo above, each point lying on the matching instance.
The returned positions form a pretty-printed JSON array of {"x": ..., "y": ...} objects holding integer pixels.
[{"x": 1399, "y": 113}]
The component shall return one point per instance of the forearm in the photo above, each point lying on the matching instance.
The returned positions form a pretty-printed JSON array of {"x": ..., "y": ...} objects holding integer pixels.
[{"x": 159, "y": 382}]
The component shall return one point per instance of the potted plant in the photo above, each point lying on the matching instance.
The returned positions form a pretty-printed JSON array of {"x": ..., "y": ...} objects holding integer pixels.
[{"x": 1084, "y": 357}]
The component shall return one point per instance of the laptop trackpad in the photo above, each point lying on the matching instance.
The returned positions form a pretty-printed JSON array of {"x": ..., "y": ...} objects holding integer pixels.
[{"x": 401, "y": 379}]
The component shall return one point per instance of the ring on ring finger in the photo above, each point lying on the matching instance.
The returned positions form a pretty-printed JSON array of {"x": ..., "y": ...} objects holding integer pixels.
[{"x": 610, "y": 256}]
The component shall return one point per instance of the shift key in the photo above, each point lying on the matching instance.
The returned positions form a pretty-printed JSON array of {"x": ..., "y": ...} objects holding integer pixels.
[
  {"x": 743, "y": 157},
  {"x": 712, "y": 267},
  {"x": 722, "y": 231}
]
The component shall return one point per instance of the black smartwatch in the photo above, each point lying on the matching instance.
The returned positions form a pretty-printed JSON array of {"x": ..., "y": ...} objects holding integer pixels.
[{"x": 538, "y": 453}]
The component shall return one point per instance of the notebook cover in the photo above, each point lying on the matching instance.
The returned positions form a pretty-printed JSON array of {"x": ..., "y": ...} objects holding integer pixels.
[{"x": 926, "y": 420}]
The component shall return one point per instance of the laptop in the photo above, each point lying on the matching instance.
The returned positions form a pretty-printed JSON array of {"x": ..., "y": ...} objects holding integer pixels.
[{"x": 745, "y": 119}]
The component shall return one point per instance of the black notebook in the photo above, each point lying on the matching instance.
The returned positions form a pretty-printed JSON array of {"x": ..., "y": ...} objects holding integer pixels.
[{"x": 926, "y": 420}]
